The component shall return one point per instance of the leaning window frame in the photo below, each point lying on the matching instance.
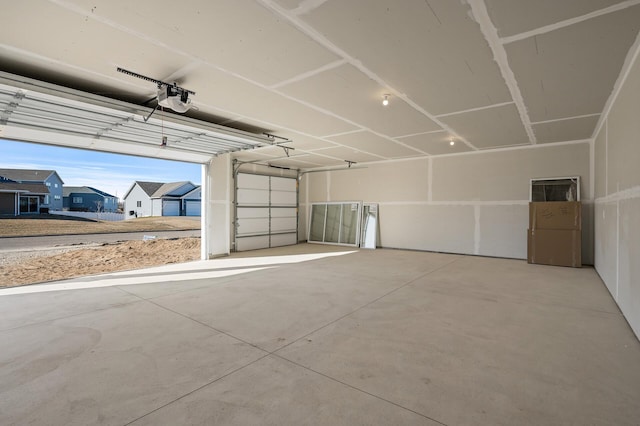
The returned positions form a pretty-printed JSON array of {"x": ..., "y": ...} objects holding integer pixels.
[{"x": 328, "y": 203}]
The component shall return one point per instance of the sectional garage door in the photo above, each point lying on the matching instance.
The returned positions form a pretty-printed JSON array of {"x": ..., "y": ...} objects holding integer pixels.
[
  {"x": 192, "y": 207},
  {"x": 170, "y": 207},
  {"x": 266, "y": 211}
]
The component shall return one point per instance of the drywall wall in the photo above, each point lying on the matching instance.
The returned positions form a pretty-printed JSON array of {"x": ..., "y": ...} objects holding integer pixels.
[
  {"x": 617, "y": 204},
  {"x": 504, "y": 175},
  {"x": 472, "y": 203}
]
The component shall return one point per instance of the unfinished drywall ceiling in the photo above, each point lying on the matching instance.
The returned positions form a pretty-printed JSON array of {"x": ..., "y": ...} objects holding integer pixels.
[
  {"x": 570, "y": 71},
  {"x": 348, "y": 153},
  {"x": 375, "y": 144},
  {"x": 519, "y": 16},
  {"x": 489, "y": 73},
  {"x": 565, "y": 130},
  {"x": 435, "y": 143},
  {"x": 359, "y": 101},
  {"x": 473, "y": 127}
]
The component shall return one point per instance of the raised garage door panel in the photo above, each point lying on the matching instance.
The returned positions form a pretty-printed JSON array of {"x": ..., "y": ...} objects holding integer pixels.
[
  {"x": 284, "y": 219},
  {"x": 282, "y": 198},
  {"x": 283, "y": 240},
  {"x": 253, "y": 227},
  {"x": 247, "y": 180},
  {"x": 252, "y": 243},
  {"x": 266, "y": 214},
  {"x": 170, "y": 208},
  {"x": 252, "y": 221},
  {"x": 253, "y": 197},
  {"x": 252, "y": 212},
  {"x": 283, "y": 192},
  {"x": 193, "y": 208},
  {"x": 253, "y": 190}
]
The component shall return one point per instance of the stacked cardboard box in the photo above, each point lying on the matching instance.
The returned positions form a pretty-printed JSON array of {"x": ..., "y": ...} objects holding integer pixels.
[{"x": 555, "y": 233}]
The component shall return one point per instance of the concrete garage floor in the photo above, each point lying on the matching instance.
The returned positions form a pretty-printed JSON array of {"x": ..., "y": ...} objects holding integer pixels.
[{"x": 320, "y": 335}]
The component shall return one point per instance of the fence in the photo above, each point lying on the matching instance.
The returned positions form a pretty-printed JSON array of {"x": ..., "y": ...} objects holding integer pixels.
[{"x": 107, "y": 216}]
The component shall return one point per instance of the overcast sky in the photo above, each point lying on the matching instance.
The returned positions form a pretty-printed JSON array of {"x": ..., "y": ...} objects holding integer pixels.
[{"x": 111, "y": 173}]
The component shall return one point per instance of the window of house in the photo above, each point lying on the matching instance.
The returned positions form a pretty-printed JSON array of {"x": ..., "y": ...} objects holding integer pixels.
[
  {"x": 55, "y": 185},
  {"x": 48, "y": 183},
  {"x": 77, "y": 200},
  {"x": 46, "y": 199},
  {"x": 56, "y": 197},
  {"x": 139, "y": 204}
]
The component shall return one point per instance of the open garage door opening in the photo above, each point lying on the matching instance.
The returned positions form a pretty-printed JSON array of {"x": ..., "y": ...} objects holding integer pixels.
[
  {"x": 68, "y": 212},
  {"x": 46, "y": 114}
]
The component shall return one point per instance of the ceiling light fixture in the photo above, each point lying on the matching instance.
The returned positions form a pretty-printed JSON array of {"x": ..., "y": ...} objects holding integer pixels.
[
  {"x": 452, "y": 142},
  {"x": 385, "y": 101}
]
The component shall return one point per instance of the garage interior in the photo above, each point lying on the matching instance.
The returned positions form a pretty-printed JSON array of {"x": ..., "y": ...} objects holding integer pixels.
[{"x": 444, "y": 322}]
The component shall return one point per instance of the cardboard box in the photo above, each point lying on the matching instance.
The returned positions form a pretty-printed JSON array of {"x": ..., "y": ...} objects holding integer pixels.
[
  {"x": 558, "y": 247},
  {"x": 555, "y": 215}
]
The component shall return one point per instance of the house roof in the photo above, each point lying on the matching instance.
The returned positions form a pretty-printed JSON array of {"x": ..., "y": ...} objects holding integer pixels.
[
  {"x": 161, "y": 189},
  {"x": 149, "y": 187},
  {"x": 31, "y": 175},
  {"x": 186, "y": 194},
  {"x": 68, "y": 190},
  {"x": 169, "y": 189},
  {"x": 32, "y": 188}
]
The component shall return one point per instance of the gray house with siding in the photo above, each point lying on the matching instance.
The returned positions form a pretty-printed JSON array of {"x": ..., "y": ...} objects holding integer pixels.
[
  {"x": 162, "y": 199},
  {"x": 35, "y": 202},
  {"x": 21, "y": 198},
  {"x": 88, "y": 199}
]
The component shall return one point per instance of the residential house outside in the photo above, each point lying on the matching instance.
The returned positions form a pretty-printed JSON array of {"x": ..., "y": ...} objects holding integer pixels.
[
  {"x": 21, "y": 198},
  {"x": 88, "y": 199},
  {"x": 161, "y": 199},
  {"x": 191, "y": 202},
  {"x": 30, "y": 202}
]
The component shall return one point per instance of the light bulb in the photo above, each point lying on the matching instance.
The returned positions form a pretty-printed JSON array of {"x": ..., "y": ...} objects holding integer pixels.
[
  {"x": 452, "y": 143},
  {"x": 385, "y": 101}
]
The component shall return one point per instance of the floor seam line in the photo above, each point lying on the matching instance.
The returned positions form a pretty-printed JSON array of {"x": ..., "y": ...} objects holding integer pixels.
[
  {"x": 367, "y": 304},
  {"x": 199, "y": 388},
  {"x": 70, "y": 316},
  {"x": 198, "y": 322},
  {"x": 119, "y": 287},
  {"x": 357, "y": 389}
]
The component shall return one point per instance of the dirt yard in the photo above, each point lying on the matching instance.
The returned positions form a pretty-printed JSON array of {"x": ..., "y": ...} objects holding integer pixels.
[
  {"x": 20, "y": 268},
  {"x": 64, "y": 225},
  {"x": 71, "y": 263}
]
